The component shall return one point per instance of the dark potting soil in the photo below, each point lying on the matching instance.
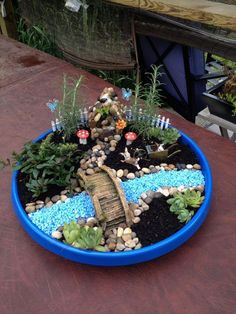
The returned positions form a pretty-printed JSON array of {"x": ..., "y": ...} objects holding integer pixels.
[
  {"x": 26, "y": 196},
  {"x": 114, "y": 159},
  {"x": 157, "y": 223}
]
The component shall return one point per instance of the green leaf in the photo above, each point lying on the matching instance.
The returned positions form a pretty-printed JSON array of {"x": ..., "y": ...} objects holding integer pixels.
[
  {"x": 100, "y": 248},
  {"x": 35, "y": 173}
]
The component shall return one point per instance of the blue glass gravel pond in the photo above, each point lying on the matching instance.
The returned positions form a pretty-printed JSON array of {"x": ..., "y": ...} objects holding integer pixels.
[
  {"x": 187, "y": 178},
  {"x": 49, "y": 219},
  {"x": 80, "y": 206}
]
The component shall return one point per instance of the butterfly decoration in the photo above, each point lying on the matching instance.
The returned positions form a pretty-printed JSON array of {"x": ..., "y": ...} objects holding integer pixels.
[
  {"x": 126, "y": 93},
  {"x": 52, "y": 104}
]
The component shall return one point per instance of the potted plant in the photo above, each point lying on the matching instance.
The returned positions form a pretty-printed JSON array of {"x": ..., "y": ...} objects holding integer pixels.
[
  {"x": 106, "y": 199},
  {"x": 221, "y": 98}
]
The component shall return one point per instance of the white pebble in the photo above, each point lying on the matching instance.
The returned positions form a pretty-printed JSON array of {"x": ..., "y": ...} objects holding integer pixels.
[
  {"x": 137, "y": 212},
  {"x": 127, "y": 231},
  {"x": 120, "y": 247},
  {"x": 130, "y": 243},
  {"x": 130, "y": 176},
  {"x": 136, "y": 220},
  {"x": 120, "y": 173},
  {"x": 189, "y": 166},
  {"x": 119, "y": 232},
  {"x": 146, "y": 170},
  {"x": 56, "y": 235},
  {"x": 117, "y": 137}
]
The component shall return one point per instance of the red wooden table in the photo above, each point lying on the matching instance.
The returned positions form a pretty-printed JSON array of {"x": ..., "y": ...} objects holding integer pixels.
[{"x": 199, "y": 277}]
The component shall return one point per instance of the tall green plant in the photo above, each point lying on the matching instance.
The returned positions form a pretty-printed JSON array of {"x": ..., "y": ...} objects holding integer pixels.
[
  {"x": 150, "y": 94},
  {"x": 69, "y": 107},
  {"x": 151, "y": 91}
]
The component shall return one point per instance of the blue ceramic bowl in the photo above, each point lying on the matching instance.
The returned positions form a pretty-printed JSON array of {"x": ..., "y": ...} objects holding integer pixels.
[{"x": 122, "y": 258}]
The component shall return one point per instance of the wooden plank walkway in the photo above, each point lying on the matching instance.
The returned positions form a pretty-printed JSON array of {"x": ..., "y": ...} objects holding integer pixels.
[
  {"x": 108, "y": 198},
  {"x": 204, "y": 11}
]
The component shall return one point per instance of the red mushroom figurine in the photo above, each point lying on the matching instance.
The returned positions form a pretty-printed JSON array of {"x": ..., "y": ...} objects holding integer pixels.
[
  {"x": 130, "y": 137},
  {"x": 82, "y": 135}
]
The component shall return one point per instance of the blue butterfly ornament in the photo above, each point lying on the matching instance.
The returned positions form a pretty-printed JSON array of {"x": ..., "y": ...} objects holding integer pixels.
[
  {"x": 52, "y": 105},
  {"x": 126, "y": 93}
]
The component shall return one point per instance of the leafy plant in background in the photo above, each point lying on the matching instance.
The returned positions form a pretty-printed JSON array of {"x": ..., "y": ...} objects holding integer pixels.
[
  {"x": 36, "y": 36},
  {"x": 117, "y": 78},
  {"x": 69, "y": 107},
  {"x": 230, "y": 98},
  {"x": 181, "y": 201},
  {"x": 46, "y": 163},
  {"x": 83, "y": 237},
  {"x": 228, "y": 63},
  {"x": 234, "y": 110}
]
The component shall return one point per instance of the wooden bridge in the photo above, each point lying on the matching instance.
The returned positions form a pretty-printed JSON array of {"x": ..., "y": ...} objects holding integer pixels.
[{"x": 108, "y": 197}]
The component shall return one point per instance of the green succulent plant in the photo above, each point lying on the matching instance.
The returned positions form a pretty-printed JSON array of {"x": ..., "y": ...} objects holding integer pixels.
[
  {"x": 177, "y": 202},
  {"x": 169, "y": 136},
  {"x": 154, "y": 133},
  {"x": 180, "y": 202},
  {"x": 83, "y": 237},
  {"x": 193, "y": 198},
  {"x": 71, "y": 232},
  {"x": 185, "y": 215}
]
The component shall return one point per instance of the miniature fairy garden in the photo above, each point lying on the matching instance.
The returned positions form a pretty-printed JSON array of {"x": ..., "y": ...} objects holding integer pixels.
[{"x": 113, "y": 177}]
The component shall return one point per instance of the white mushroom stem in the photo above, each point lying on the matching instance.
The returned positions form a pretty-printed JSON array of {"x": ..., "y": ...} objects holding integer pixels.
[
  {"x": 83, "y": 141},
  {"x": 129, "y": 142}
]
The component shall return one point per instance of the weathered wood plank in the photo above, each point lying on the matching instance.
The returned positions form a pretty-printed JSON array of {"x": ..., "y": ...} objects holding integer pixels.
[
  {"x": 121, "y": 193},
  {"x": 153, "y": 27},
  {"x": 8, "y": 24},
  {"x": 203, "y": 11},
  {"x": 107, "y": 196},
  {"x": 99, "y": 212}
]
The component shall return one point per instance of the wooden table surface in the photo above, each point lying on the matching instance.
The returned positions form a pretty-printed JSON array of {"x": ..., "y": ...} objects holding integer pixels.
[
  {"x": 215, "y": 13},
  {"x": 199, "y": 277}
]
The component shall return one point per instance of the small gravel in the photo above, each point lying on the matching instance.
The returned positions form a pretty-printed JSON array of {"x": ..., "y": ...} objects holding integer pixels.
[
  {"x": 49, "y": 219},
  {"x": 187, "y": 178}
]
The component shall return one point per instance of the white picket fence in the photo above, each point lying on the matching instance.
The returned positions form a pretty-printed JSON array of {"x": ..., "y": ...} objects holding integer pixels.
[{"x": 156, "y": 121}]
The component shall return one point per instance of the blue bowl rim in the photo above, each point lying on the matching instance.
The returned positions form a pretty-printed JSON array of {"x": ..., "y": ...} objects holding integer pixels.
[{"x": 120, "y": 258}]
